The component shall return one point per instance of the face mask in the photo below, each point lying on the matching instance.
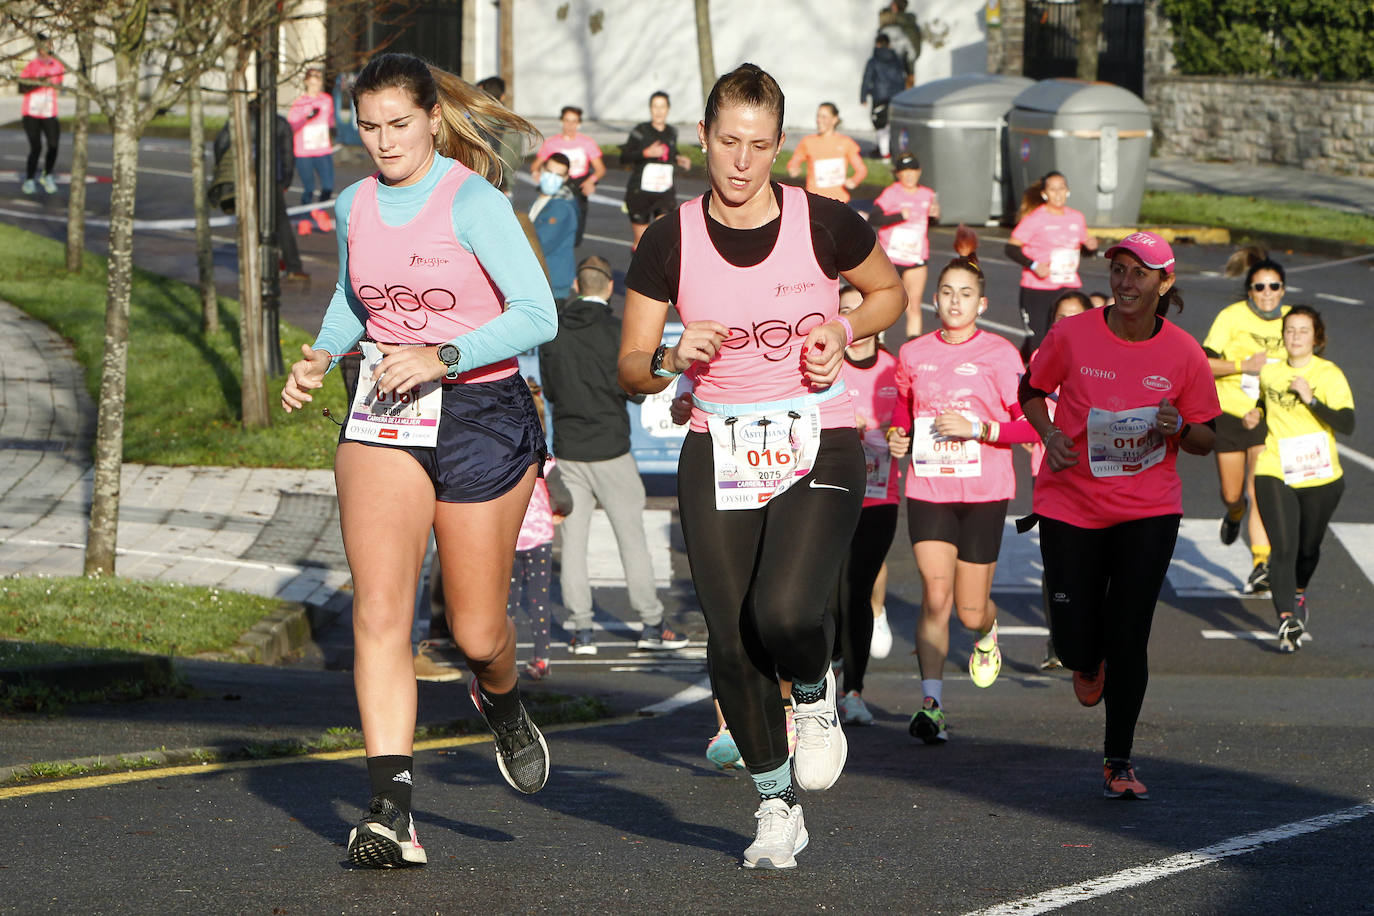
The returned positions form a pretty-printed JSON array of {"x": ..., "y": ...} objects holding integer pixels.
[{"x": 550, "y": 183}]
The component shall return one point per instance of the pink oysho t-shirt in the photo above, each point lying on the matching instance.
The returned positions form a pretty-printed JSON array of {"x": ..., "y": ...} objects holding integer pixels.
[
  {"x": 873, "y": 393},
  {"x": 41, "y": 102},
  {"x": 580, "y": 150},
  {"x": 907, "y": 243},
  {"x": 977, "y": 378},
  {"x": 769, "y": 309},
  {"x": 419, "y": 285},
  {"x": 537, "y": 526},
  {"x": 310, "y": 135},
  {"x": 1053, "y": 239},
  {"x": 1093, "y": 368}
]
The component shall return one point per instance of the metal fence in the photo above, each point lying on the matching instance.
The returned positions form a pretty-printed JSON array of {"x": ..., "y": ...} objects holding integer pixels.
[{"x": 1051, "y": 42}]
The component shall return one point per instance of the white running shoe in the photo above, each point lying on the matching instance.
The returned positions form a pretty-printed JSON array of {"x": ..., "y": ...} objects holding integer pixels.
[
  {"x": 881, "y": 643},
  {"x": 780, "y": 835},
  {"x": 821, "y": 745},
  {"x": 853, "y": 710}
]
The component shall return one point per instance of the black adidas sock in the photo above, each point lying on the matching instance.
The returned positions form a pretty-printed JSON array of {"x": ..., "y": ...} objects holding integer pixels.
[
  {"x": 500, "y": 707},
  {"x": 390, "y": 776}
]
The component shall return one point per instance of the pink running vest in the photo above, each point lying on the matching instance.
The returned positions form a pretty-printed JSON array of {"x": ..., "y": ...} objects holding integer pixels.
[
  {"x": 769, "y": 309},
  {"x": 419, "y": 285}
]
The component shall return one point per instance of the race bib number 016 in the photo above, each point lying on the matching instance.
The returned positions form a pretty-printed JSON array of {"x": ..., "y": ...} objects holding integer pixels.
[
  {"x": 933, "y": 455},
  {"x": 759, "y": 456},
  {"x": 1305, "y": 458},
  {"x": 829, "y": 172},
  {"x": 1123, "y": 443},
  {"x": 399, "y": 418}
]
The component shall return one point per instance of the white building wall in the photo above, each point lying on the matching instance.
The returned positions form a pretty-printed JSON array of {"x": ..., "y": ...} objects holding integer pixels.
[{"x": 816, "y": 49}]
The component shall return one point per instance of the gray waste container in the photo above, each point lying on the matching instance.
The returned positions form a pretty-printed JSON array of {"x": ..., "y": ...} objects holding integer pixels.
[
  {"x": 955, "y": 127},
  {"x": 1096, "y": 134}
]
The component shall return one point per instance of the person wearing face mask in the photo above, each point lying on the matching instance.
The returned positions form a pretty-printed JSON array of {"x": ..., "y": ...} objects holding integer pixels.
[
  {"x": 1047, "y": 242},
  {"x": 1134, "y": 390},
  {"x": 556, "y": 217},
  {"x": 440, "y": 291},
  {"x": 1303, "y": 401},
  {"x": 1244, "y": 338},
  {"x": 651, "y": 154},
  {"x": 585, "y": 164},
  {"x": 957, "y": 417}
]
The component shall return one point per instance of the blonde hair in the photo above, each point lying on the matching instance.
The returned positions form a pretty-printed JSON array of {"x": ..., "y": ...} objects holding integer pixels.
[{"x": 471, "y": 121}]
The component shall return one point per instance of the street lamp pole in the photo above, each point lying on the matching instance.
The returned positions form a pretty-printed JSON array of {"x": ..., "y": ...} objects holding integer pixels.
[{"x": 269, "y": 256}]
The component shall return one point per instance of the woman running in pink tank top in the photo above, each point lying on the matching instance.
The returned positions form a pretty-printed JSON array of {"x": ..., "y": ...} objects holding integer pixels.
[
  {"x": 771, "y": 477},
  {"x": 434, "y": 282}
]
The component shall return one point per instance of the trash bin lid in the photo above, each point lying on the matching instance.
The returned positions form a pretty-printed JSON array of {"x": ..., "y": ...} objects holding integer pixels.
[
  {"x": 964, "y": 89},
  {"x": 1079, "y": 97}
]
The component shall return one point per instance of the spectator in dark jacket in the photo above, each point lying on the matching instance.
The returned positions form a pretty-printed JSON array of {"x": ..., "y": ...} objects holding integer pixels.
[
  {"x": 591, "y": 440},
  {"x": 284, "y": 169},
  {"x": 884, "y": 77}
]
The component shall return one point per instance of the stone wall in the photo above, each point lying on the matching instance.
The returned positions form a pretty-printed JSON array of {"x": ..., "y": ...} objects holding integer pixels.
[{"x": 1321, "y": 127}]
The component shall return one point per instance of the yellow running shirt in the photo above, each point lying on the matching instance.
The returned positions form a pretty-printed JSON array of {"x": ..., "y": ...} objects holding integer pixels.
[
  {"x": 1237, "y": 334},
  {"x": 1300, "y": 449}
]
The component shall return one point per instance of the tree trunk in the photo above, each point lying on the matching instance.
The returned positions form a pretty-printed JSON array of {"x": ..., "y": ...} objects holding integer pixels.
[
  {"x": 1089, "y": 33},
  {"x": 109, "y": 439},
  {"x": 205, "y": 246},
  {"x": 81, "y": 132},
  {"x": 253, "y": 366},
  {"x": 706, "y": 57},
  {"x": 506, "y": 10}
]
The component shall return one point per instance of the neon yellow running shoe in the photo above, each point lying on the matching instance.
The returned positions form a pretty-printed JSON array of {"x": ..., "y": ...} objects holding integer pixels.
[{"x": 985, "y": 664}]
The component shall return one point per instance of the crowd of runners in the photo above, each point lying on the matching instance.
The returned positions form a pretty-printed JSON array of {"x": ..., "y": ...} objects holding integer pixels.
[{"x": 802, "y": 426}]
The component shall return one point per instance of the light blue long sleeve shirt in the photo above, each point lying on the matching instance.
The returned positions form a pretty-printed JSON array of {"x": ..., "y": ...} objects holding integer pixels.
[{"x": 485, "y": 225}]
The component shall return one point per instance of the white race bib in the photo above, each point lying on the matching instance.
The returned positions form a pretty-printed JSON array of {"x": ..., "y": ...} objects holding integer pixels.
[
  {"x": 877, "y": 464},
  {"x": 1305, "y": 458},
  {"x": 1063, "y": 265},
  {"x": 759, "y": 456},
  {"x": 577, "y": 161},
  {"x": 1123, "y": 443},
  {"x": 43, "y": 103},
  {"x": 907, "y": 243},
  {"x": 829, "y": 173},
  {"x": 400, "y": 418},
  {"x": 933, "y": 455},
  {"x": 656, "y": 178},
  {"x": 315, "y": 137}
]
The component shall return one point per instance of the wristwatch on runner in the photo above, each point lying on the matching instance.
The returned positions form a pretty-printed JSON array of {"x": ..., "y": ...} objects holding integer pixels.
[
  {"x": 449, "y": 356},
  {"x": 656, "y": 364}
]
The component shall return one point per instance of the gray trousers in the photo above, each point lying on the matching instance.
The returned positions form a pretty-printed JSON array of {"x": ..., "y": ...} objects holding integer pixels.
[{"x": 616, "y": 485}]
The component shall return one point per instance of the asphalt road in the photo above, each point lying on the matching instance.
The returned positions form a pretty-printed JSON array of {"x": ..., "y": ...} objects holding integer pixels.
[{"x": 1234, "y": 738}]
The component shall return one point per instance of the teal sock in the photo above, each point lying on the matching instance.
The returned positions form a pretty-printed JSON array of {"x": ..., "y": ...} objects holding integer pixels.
[
  {"x": 776, "y": 783},
  {"x": 808, "y": 693}
]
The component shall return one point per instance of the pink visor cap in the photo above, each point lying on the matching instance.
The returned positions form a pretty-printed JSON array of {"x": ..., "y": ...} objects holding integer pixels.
[{"x": 1152, "y": 250}]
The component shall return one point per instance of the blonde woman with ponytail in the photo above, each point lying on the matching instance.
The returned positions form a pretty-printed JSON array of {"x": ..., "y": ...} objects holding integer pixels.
[{"x": 440, "y": 290}]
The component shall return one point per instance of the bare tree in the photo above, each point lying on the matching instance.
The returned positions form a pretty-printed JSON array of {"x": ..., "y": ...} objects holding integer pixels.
[
  {"x": 706, "y": 56},
  {"x": 1089, "y": 32},
  {"x": 81, "y": 144},
  {"x": 205, "y": 250}
]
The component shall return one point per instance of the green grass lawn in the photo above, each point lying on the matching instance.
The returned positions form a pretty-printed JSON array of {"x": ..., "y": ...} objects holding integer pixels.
[
  {"x": 57, "y": 619},
  {"x": 1249, "y": 214},
  {"x": 182, "y": 405}
]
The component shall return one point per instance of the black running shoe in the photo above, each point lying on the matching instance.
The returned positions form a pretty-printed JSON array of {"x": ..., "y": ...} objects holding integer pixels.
[
  {"x": 1230, "y": 530},
  {"x": 385, "y": 838},
  {"x": 1290, "y": 633},
  {"x": 1258, "y": 583},
  {"x": 521, "y": 752}
]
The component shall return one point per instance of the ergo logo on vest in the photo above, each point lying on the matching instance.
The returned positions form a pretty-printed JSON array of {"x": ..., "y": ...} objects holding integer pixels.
[
  {"x": 774, "y": 336},
  {"x": 401, "y": 298}
]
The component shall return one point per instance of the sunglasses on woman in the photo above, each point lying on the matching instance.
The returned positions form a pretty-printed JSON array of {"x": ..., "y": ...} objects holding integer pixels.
[{"x": 1259, "y": 287}]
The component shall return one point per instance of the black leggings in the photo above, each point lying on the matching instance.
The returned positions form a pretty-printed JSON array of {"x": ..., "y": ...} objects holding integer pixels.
[
  {"x": 1295, "y": 518},
  {"x": 764, "y": 578},
  {"x": 39, "y": 129},
  {"x": 854, "y": 596},
  {"x": 1102, "y": 585}
]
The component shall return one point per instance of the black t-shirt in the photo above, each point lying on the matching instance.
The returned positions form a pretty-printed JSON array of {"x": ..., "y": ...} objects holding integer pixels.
[
  {"x": 643, "y": 136},
  {"x": 840, "y": 237}
]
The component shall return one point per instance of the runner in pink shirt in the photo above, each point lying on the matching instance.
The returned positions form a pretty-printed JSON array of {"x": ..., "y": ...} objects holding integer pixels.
[
  {"x": 585, "y": 165},
  {"x": 1047, "y": 242},
  {"x": 771, "y": 478},
  {"x": 902, "y": 213},
  {"x": 39, "y": 81},
  {"x": 957, "y": 418},
  {"x": 311, "y": 118},
  {"x": 1134, "y": 390}
]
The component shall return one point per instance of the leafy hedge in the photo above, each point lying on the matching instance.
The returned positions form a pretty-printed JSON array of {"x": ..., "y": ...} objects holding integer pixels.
[{"x": 1330, "y": 40}]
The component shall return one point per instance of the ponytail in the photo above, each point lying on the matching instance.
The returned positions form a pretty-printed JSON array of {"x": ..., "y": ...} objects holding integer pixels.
[
  {"x": 470, "y": 119},
  {"x": 1034, "y": 195},
  {"x": 966, "y": 257}
]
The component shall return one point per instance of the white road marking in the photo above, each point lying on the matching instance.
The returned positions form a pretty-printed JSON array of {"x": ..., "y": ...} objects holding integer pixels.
[
  {"x": 699, "y": 691},
  {"x": 1358, "y": 541},
  {"x": 1325, "y": 264},
  {"x": 1257, "y": 635},
  {"x": 1348, "y": 453},
  {"x": 1022, "y": 631},
  {"x": 1341, "y": 299},
  {"x": 1164, "y": 868}
]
